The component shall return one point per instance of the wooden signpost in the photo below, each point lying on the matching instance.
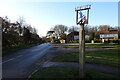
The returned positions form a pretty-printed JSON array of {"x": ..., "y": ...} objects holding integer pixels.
[{"x": 82, "y": 21}]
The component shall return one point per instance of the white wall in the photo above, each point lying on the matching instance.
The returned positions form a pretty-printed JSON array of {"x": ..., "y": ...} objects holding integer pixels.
[
  {"x": 76, "y": 37},
  {"x": 109, "y": 35}
]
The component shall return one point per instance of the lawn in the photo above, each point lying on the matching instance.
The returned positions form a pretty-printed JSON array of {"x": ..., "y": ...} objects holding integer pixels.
[
  {"x": 95, "y": 45},
  {"x": 67, "y": 57},
  {"x": 107, "y": 57},
  {"x": 56, "y": 73},
  {"x": 68, "y": 73}
]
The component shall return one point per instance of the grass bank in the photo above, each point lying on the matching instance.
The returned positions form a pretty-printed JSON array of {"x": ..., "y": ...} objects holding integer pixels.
[{"x": 11, "y": 49}]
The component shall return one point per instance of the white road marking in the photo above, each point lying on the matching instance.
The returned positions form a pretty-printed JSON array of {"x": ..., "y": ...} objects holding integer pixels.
[
  {"x": 22, "y": 55},
  {"x": 11, "y": 59},
  {"x": 8, "y": 60}
]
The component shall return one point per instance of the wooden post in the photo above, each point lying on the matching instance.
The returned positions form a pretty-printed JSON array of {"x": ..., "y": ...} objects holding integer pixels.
[
  {"x": 76, "y": 17},
  {"x": 87, "y": 16},
  {"x": 82, "y": 51},
  {"x": 82, "y": 39}
]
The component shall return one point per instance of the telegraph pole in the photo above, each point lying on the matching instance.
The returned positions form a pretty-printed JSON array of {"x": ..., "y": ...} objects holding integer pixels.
[{"x": 82, "y": 22}]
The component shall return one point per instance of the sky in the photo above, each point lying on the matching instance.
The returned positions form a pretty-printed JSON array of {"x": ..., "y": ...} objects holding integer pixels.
[{"x": 44, "y": 15}]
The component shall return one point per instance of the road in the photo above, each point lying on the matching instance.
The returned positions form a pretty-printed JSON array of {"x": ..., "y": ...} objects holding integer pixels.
[{"x": 22, "y": 63}]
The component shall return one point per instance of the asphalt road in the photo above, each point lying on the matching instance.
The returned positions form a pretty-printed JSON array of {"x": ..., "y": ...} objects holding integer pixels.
[{"x": 22, "y": 63}]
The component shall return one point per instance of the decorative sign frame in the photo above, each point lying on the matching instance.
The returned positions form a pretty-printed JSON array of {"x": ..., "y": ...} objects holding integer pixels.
[{"x": 82, "y": 14}]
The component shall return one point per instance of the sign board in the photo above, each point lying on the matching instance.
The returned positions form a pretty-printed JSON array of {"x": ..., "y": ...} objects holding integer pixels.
[{"x": 82, "y": 16}]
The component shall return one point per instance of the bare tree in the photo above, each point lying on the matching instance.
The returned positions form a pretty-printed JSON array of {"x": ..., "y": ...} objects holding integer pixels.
[
  {"x": 60, "y": 30},
  {"x": 103, "y": 27},
  {"x": 73, "y": 28},
  {"x": 21, "y": 21},
  {"x": 35, "y": 30}
]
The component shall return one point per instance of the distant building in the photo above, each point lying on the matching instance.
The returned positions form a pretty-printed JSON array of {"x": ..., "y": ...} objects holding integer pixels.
[
  {"x": 109, "y": 36},
  {"x": 73, "y": 36}
]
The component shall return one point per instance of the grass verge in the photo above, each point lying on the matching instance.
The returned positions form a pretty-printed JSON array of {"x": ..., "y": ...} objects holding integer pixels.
[
  {"x": 107, "y": 57},
  {"x": 11, "y": 49},
  {"x": 56, "y": 73},
  {"x": 95, "y": 45},
  {"x": 71, "y": 73}
]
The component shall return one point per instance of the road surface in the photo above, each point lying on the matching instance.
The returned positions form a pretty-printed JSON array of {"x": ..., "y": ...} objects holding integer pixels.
[{"x": 22, "y": 63}]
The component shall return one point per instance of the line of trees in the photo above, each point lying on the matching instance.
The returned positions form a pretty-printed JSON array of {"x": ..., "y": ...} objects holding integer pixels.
[
  {"x": 18, "y": 33},
  {"x": 60, "y": 31}
]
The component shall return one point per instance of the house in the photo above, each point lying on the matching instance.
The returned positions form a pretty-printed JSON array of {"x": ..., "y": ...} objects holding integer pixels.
[
  {"x": 109, "y": 35},
  {"x": 73, "y": 36}
]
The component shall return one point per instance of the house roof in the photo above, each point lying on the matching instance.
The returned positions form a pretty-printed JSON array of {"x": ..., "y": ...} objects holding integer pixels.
[
  {"x": 109, "y": 32},
  {"x": 73, "y": 33}
]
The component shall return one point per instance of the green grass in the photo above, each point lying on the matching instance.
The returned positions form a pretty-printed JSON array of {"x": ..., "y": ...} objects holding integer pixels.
[
  {"x": 107, "y": 57},
  {"x": 101, "y": 45},
  {"x": 11, "y": 49},
  {"x": 95, "y": 74},
  {"x": 72, "y": 73},
  {"x": 67, "y": 57},
  {"x": 95, "y": 45},
  {"x": 56, "y": 73}
]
